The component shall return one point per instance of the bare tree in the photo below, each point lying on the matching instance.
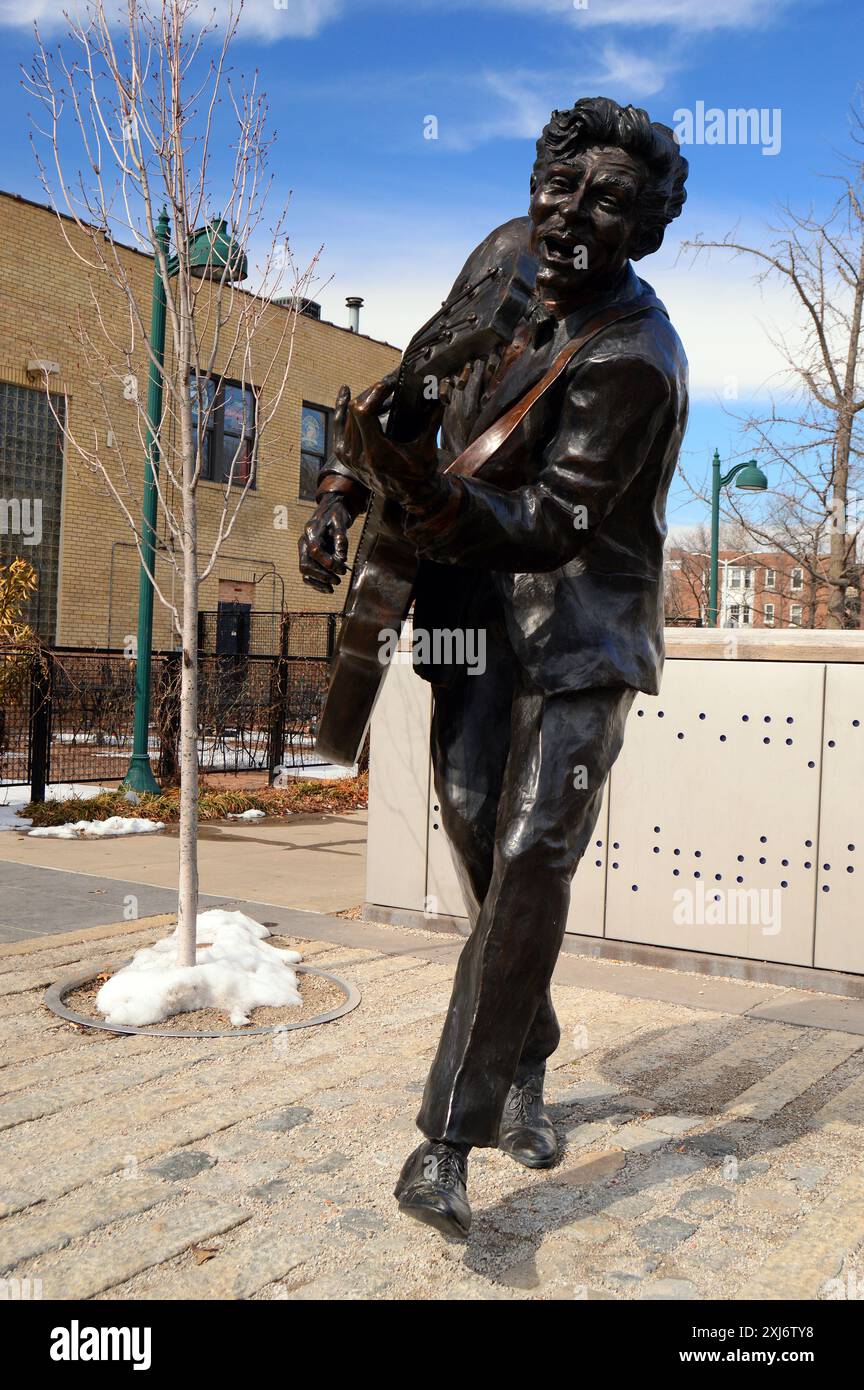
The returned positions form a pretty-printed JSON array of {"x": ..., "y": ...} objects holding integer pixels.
[
  {"x": 134, "y": 107},
  {"x": 687, "y": 571},
  {"x": 813, "y": 434}
]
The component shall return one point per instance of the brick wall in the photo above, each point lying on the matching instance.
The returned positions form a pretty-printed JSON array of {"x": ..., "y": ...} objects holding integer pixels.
[{"x": 46, "y": 293}]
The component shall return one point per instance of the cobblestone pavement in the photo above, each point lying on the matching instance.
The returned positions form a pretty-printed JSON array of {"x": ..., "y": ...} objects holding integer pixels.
[{"x": 708, "y": 1155}]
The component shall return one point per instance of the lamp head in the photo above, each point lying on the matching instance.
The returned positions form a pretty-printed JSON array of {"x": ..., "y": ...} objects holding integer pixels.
[{"x": 751, "y": 478}]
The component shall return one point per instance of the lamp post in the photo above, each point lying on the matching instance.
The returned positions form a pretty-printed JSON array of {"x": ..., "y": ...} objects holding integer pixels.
[
  {"x": 750, "y": 479},
  {"x": 212, "y": 254}
]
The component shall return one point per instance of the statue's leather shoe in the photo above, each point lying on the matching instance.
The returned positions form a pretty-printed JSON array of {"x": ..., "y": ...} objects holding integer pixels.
[
  {"x": 527, "y": 1133},
  {"x": 431, "y": 1188}
]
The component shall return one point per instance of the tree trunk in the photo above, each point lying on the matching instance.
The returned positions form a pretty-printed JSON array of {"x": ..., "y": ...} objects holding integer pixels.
[{"x": 188, "y": 884}]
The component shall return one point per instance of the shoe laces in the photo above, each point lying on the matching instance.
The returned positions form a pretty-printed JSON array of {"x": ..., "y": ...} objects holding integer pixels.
[
  {"x": 523, "y": 1099},
  {"x": 449, "y": 1166}
]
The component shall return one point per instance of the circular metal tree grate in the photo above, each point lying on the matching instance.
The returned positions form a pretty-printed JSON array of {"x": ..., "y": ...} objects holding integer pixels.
[{"x": 55, "y": 996}]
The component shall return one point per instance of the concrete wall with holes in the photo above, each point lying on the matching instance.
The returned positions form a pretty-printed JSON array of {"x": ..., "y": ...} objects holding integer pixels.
[{"x": 745, "y": 773}]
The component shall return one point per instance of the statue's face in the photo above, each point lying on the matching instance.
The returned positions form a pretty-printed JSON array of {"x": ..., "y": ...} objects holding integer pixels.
[{"x": 584, "y": 214}]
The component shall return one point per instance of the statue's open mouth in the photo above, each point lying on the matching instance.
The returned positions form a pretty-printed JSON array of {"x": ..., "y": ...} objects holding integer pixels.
[{"x": 559, "y": 250}]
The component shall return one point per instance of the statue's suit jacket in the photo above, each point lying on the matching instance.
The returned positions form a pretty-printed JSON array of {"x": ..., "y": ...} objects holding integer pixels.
[{"x": 568, "y": 522}]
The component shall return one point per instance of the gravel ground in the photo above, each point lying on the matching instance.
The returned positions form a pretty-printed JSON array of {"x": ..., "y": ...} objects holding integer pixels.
[{"x": 705, "y": 1155}]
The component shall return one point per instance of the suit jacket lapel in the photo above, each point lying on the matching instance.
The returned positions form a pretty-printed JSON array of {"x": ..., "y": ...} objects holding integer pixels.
[{"x": 534, "y": 362}]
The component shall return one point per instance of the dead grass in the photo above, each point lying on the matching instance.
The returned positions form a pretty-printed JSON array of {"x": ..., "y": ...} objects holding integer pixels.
[{"x": 310, "y": 797}]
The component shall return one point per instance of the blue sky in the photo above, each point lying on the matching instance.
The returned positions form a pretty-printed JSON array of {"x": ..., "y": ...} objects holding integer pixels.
[{"x": 351, "y": 82}]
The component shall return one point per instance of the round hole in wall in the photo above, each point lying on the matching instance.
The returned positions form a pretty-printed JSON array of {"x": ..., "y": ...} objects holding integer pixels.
[
  {"x": 784, "y": 863},
  {"x": 660, "y": 714},
  {"x": 789, "y": 719},
  {"x": 615, "y": 845},
  {"x": 783, "y": 883},
  {"x": 701, "y": 716},
  {"x": 598, "y": 863},
  {"x": 825, "y": 888},
  {"x": 851, "y": 847},
  {"x": 680, "y": 735},
  {"x": 808, "y": 844},
  {"x": 675, "y": 873},
  {"x": 718, "y": 877},
  {"x": 722, "y": 738},
  {"x": 766, "y": 740},
  {"x": 640, "y": 713},
  {"x": 808, "y": 864},
  {"x": 856, "y": 723},
  {"x": 717, "y": 898},
  {"x": 614, "y": 866},
  {"x": 599, "y": 844},
  {"x": 740, "y": 858},
  {"x": 676, "y": 851},
  {"x": 435, "y": 825},
  {"x": 634, "y": 887},
  {"x": 789, "y": 742},
  {"x": 656, "y": 830},
  {"x": 739, "y": 878},
  {"x": 826, "y": 866},
  {"x": 811, "y": 764},
  {"x": 763, "y": 839},
  {"x": 762, "y": 859},
  {"x": 656, "y": 849},
  {"x": 766, "y": 718},
  {"x": 698, "y": 853},
  {"x": 696, "y": 873},
  {"x": 849, "y": 869},
  {"x": 745, "y": 718}
]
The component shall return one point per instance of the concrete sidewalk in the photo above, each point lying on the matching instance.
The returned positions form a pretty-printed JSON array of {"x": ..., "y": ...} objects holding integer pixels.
[
  {"x": 310, "y": 862},
  {"x": 711, "y": 1131}
]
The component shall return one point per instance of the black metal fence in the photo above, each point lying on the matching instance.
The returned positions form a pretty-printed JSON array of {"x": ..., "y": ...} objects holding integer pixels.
[{"x": 67, "y": 714}]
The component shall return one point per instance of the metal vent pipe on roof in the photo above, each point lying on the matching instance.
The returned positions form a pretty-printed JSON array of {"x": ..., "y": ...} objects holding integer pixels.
[{"x": 355, "y": 304}]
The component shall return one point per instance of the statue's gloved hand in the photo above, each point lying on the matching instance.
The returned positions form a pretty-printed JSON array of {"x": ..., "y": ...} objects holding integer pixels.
[
  {"x": 407, "y": 473},
  {"x": 323, "y": 543}
]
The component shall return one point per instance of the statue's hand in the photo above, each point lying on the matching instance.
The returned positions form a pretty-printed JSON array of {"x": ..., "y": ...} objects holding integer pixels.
[
  {"x": 323, "y": 543},
  {"x": 407, "y": 473}
]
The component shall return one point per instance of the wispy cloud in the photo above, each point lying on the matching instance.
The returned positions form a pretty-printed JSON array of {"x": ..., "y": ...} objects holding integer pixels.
[
  {"x": 273, "y": 20},
  {"x": 686, "y": 15},
  {"x": 516, "y": 103},
  {"x": 264, "y": 19}
]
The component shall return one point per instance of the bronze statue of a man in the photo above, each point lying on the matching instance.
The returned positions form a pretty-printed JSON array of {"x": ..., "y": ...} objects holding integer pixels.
[{"x": 560, "y": 562}]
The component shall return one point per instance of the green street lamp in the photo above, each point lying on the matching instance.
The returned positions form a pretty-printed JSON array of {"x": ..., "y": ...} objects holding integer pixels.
[
  {"x": 750, "y": 479},
  {"x": 212, "y": 254}
]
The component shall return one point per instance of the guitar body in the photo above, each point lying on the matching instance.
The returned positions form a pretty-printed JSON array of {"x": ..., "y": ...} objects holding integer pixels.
[
  {"x": 378, "y": 602},
  {"x": 475, "y": 320}
]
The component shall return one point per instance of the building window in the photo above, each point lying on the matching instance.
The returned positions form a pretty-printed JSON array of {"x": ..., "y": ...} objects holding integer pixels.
[
  {"x": 314, "y": 447},
  {"x": 770, "y": 579},
  {"x": 229, "y": 431},
  {"x": 769, "y": 613},
  {"x": 734, "y": 579},
  {"x": 796, "y": 614},
  {"x": 31, "y": 483},
  {"x": 735, "y": 615},
  {"x": 797, "y": 579},
  {"x": 745, "y": 615}
]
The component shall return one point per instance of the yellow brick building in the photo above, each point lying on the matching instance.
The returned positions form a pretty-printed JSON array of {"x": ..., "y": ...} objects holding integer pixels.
[{"x": 82, "y": 547}]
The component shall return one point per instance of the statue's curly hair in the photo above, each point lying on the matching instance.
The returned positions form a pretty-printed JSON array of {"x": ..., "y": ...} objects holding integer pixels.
[{"x": 601, "y": 121}]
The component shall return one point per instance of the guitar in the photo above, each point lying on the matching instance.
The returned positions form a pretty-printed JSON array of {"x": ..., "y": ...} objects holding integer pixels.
[{"x": 477, "y": 318}]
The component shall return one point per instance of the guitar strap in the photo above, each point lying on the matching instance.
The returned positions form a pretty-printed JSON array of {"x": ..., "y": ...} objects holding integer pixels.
[{"x": 481, "y": 449}]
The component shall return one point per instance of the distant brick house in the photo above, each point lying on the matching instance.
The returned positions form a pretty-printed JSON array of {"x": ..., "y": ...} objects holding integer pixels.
[{"x": 754, "y": 589}]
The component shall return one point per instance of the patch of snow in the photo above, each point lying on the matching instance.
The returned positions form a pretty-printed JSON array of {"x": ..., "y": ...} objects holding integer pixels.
[
  {"x": 99, "y": 829},
  {"x": 251, "y": 814},
  {"x": 237, "y": 972},
  {"x": 15, "y": 796}
]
